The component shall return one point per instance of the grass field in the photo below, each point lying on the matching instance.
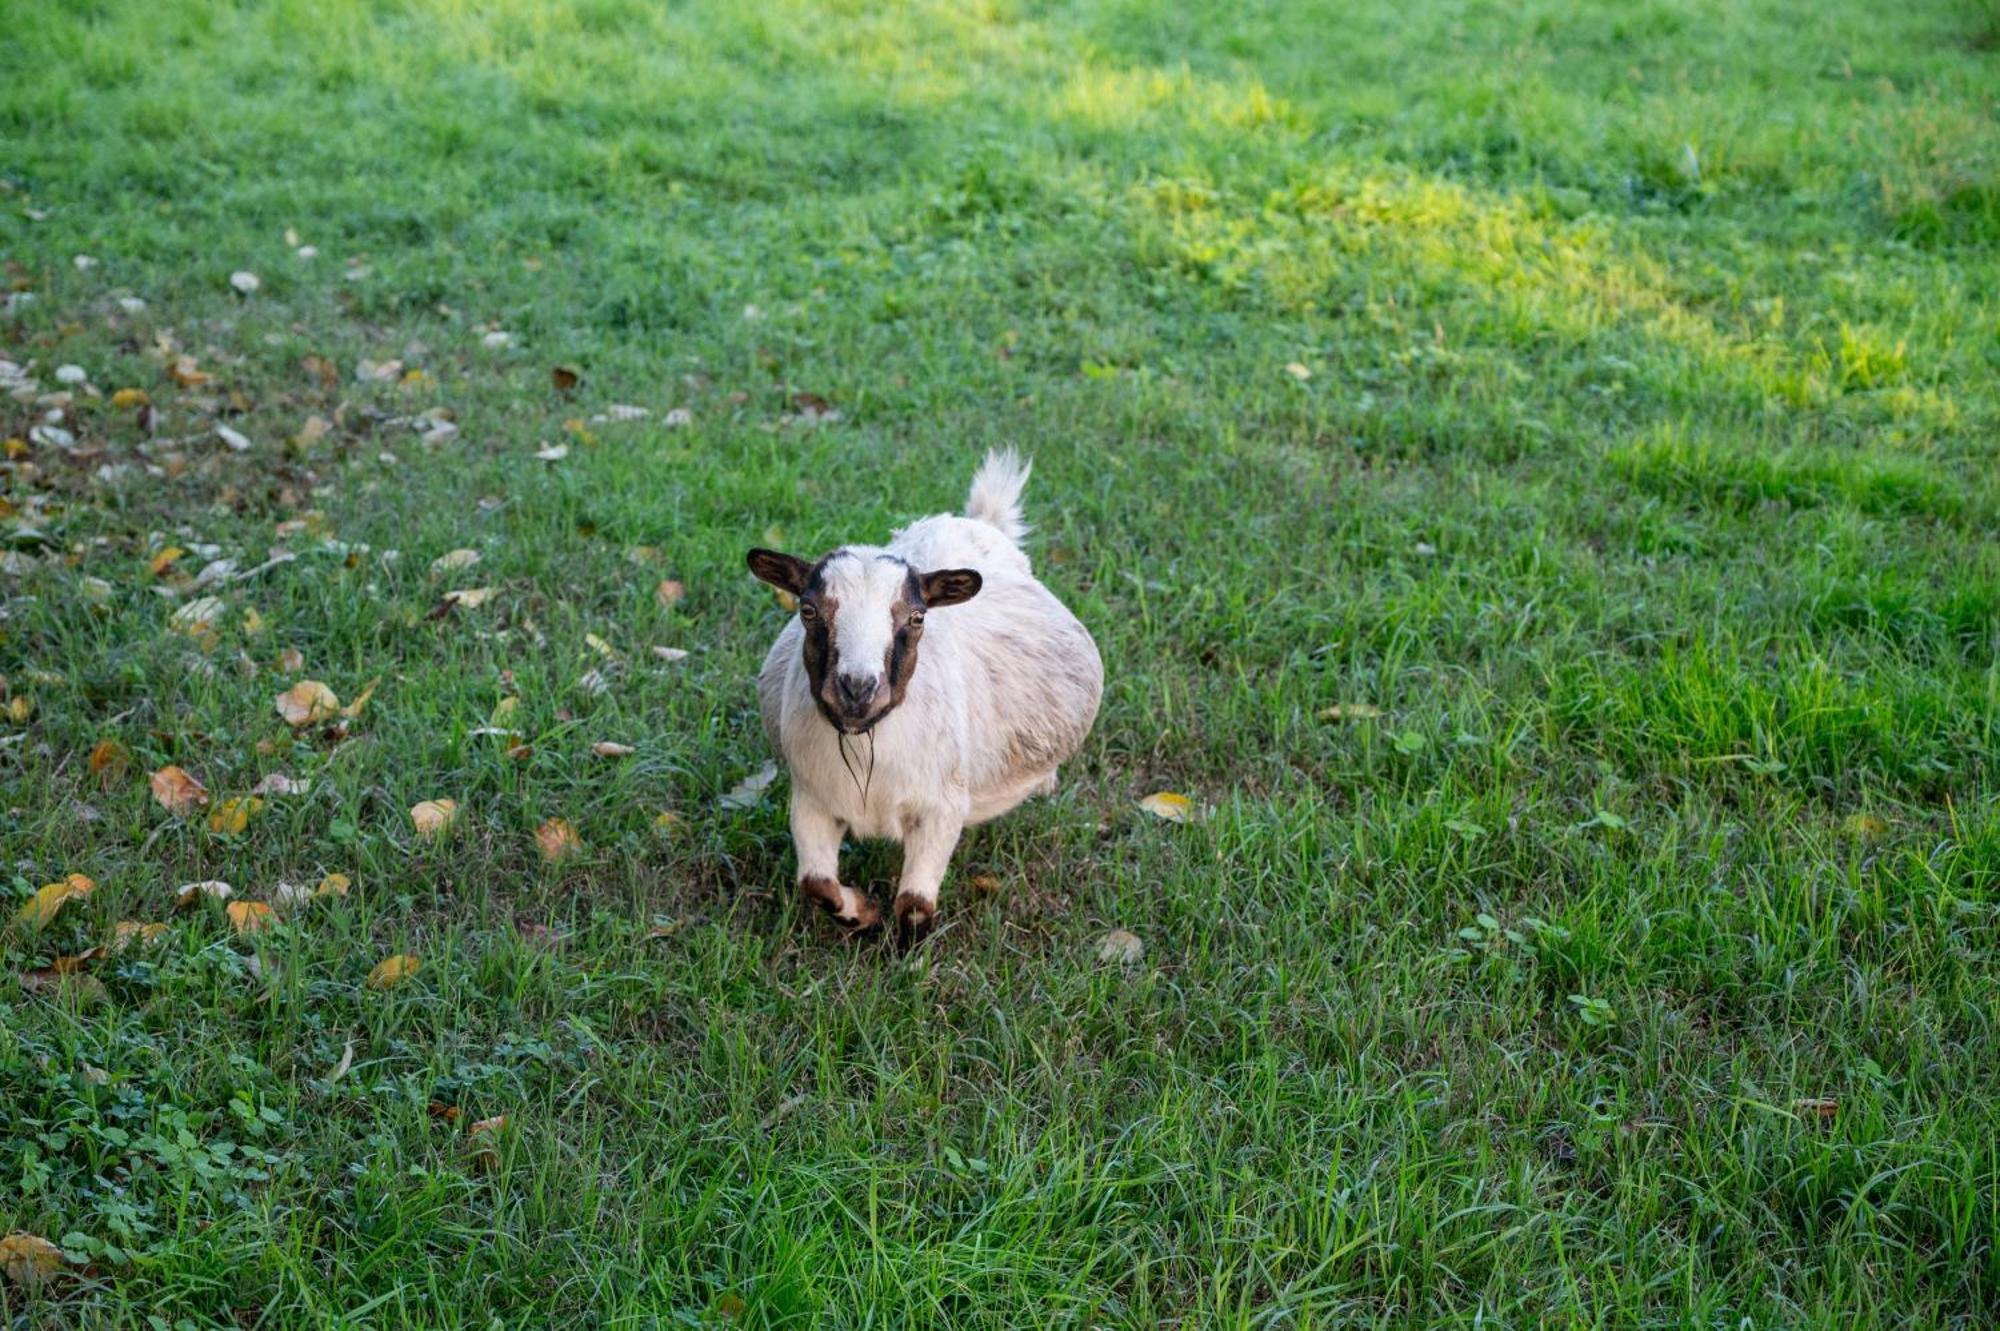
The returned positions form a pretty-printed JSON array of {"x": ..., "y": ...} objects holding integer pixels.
[{"x": 1531, "y": 471}]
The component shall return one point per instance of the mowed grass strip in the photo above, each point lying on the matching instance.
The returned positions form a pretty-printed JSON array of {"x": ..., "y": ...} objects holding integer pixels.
[{"x": 1531, "y": 476}]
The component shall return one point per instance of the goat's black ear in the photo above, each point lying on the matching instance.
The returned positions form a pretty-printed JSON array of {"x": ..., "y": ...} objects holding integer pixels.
[
  {"x": 949, "y": 586},
  {"x": 785, "y": 572}
]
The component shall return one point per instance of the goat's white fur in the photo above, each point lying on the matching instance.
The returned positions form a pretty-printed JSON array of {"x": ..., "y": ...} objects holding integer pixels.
[{"x": 1006, "y": 687}]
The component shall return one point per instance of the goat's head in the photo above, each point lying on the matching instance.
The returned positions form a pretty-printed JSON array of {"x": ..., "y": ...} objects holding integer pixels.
[{"x": 863, "y": 614}]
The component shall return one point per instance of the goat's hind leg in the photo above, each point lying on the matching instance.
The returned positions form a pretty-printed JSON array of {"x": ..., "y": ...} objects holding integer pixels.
[{"x": 816, "y": 837}]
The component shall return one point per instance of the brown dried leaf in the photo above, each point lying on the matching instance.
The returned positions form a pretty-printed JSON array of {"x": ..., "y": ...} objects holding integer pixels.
[
  {"x": 557, "y": 840},
  {"x": 177, "y": 792},
  {"x": 433, "y": 818},
  {"x": 29, "y": 1259},
  {"x": 307, "y": 703},
  {"x": 564, "y": 378}
]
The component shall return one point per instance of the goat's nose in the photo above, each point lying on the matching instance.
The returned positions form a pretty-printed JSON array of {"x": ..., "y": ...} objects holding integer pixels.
[{"x": 857, "y": 691}]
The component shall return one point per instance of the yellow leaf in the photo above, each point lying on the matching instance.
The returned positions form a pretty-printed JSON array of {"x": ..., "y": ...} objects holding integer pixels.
[
  {"x": 1350, "y": 711},
  {"x": 29, "y": 1259},
  {"x": 164, "y": 560},
  {"x": 1298, "y": 371},
  {"x": 248, "y": 917},
  {"x": 253, "y": 623},
  {"x": 668, "y": 822},
  {"x": 433, "y": 817},
  {"x": 470, "y": 597},
  {"x": 786, "y": 601},
  {"x": 230, "y": 817},
  {"x": 177, "y": 792},
  {"x": 557, "y": 839},
  {"x": 129, "y": 397},
  {"x": 669, "y": 593},
  {"x": 127, "y": 932},
  {"x": 353, "y": 709},
  {"x": 333, "y": 885},
  {"x": 1865, "y": 826},
  {"x": 20, "y": 707},
  {"x": 984, "y": 884},
  {"x": 453, "y": 560},
  {"x": 1168, "y": 805},
  {"x": 48, "y": 900},
  {"x": 503, "y": 712},
  {"x": 601, "y": 647},
  {"x": 392, "y": 971},
  {"x": 307, "y": 703}
]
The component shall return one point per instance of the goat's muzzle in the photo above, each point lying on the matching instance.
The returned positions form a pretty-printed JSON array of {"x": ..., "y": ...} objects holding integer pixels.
[{"x": 853, "y": 703}]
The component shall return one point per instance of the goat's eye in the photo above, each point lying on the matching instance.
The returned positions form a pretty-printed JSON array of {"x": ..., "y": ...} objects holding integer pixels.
[{"x": 807, "y": 610}]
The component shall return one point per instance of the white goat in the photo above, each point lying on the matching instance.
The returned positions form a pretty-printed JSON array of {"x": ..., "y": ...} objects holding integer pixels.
[{"x": 879, "y": 747}]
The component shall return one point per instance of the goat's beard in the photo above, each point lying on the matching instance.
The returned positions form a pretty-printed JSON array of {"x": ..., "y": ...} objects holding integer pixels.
[{"x": 859, "y": 784}]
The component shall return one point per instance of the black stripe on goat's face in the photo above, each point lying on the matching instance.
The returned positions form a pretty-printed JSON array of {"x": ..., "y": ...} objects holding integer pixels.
[{"x": 862, "y": 612}]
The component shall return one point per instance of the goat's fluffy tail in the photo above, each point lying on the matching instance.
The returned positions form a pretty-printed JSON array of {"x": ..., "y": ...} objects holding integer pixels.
[{"x": 996, "y": 492}]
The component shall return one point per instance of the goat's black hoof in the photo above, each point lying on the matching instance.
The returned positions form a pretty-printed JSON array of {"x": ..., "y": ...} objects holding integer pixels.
[{"x": 914, "y": 917}]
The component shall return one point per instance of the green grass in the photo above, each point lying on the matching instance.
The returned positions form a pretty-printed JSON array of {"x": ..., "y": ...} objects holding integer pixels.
[{"x": 1637, "y": 965}]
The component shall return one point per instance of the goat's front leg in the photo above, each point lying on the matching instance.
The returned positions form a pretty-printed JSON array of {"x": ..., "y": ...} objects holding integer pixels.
[
  {"x": 929, "y": 837},
  {"x": 816, "y": 837}
]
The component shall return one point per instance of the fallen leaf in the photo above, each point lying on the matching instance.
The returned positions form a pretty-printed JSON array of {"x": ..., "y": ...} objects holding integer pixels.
[
  {"x": 392, "y": 971},
  {"x": 29, "y": 1259},
  {"x": 667, "y": 930},
  {"x": 1350, "y": 711},
  {"x": 177, "y": 792},
  {"x": 291, "y": 660},
  {"x": 552, "y": 452},
  {"x": 1865, "y": 826},
  {"x": 452, "y": 561},
  {"x": 333, "y": 885},
  {"x": 564, "y": 378},
  {"x": 340, "y": 1068},
  {"x": 237, "y": 441},
  {"x": 20, "y": 707},
  {"x": 481, "y": 1150},
  {"x": 749, "y": 792},
  {"x": 669, "y": 593},
  {"x": 1818, "y": 1106},
  {"x": 307, "y": 703},
  {"x": 601, "y": 647},
  {"x": 671, "y": 654},
  {"x": 127, "y": 932},
  {"x": 503, "y": 711},
  {"x": 244, "y": 281},
  {"x": 164, "y": 560},
  {"x": 378, "y": 371},
  {"x": 433, "y": 818},
  {"x": 605, "y": 748},
  {"x": 1298, "y": 371},
  {"x": 126, "y": 398},
  {"x": 593, "y": 682},
  {"x": 984, "y": 884},
  {"x": 1121, "y": 946},
  {"x": 496, "y": 339},
  {"x": 188, "y": 893},
  {"x": 353, "y": 709},
  {"x": 557, "y": 840},
  {"x": 289, "y": 897},
  {"x": 197, "y": 616},
  {"x": 667, "y": 822},
  {"x": 185, "y": 372},
  {"x": 1167, "y": 804},
  {"x": 677, "y": 419},
  {"x": 469, "y": 597},
  {"x": 109, "y": 759},
  {"x": 232, "y": 816},
  {"x": 277, "y": 783},
  {"x": 95, "y": 1075},
  {"x": 42, "y": 907},
  {"x": 248, "y": 917}
]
